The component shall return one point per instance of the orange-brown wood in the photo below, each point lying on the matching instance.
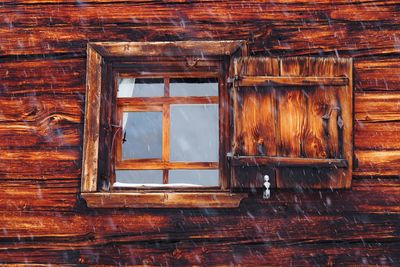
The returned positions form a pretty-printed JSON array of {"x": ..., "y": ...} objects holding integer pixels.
[
  {"x": 92, "y": 121},
  {"x": 150, "y": 164},
  {"x": 165, "y": 131},
  {"x": 164, "y": 200},
  {"x": 288, "y": 162},
  {"x": 183, "y": 48},
  {"x": 265, "y": 80},
  {"x": 255, "y": 134},
  {"x": 42, "y": 95},
  {"x": 309, "y": 119},
  {"x": 152, "y": 101}
]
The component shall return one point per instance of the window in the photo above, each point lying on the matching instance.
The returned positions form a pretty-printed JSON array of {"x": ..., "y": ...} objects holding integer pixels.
[
  {"x": 169, "y": 133},
  {"x": 194, "y": 124},
  {"x": 157, "y": 125}
]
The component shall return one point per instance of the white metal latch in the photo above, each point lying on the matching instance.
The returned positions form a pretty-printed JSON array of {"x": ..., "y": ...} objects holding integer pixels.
[{"x": 267, "y": 184}]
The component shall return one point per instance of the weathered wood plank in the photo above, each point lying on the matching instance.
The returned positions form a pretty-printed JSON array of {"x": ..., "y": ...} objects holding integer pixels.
[
  {"x": 214, "y": 253},
  {"x": 148, "y": 12},
  {"x": 54, "y": 134},
  {"x": 377, "y": 73},
  {"x": 376, "y": 121},
  {"x": 366, "y": 196},
  {"x": 384, "y": 162},
  {"x": 344, "y": 39},
  {"x": 338, "y": 227},
  {"x": 288, "y": 161},
  {"x": 349, "y": 214},
  {"x": 180, "y": 48},
  {"x": 292, "y": 81},
  {"x": 367, "y": 5},
  {"x": 377, "y": 107},
  {"x": 41, "y": 110},
  {"x": 90, "y": 153},
  {"x": 307, "y": 32},
  {"x": 42, "y": 76},
  {"x": 36, "y": 163},
  {"x": 40, "y": 194},
  {"x": 164, "y": 200},
  {"x": 377, "y": 135},
  {"x": 74, "y": 38}
]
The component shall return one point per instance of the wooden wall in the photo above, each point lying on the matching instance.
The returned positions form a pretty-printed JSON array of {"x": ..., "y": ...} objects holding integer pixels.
[{"x": 42, "y": 94}]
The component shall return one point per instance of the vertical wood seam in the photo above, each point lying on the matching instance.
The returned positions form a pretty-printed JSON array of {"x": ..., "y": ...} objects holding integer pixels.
[{"x": 166, "y": 130}]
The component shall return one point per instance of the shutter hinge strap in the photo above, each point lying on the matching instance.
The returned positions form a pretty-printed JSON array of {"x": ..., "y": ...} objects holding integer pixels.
[{"x": 233, "y": 79}]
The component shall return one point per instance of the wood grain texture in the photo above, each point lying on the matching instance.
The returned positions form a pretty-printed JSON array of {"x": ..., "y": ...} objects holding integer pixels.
[
  {"x": 178, "y": 48},
  {"x": 95, "y": 78},
  {"x": 35, "y": 77},
  {"x": 286, "y": 161},
  {"x": 377, "y": 107},
  {"x": 254, "y": 134},
  {"x": 296, "y": 121},
  {"x": 264, "y": 80},
  {"x": 164, "y": 200},
  {"x": 376, "y": 162},
  {"x": 324, "y": 28},
  {"x": 42, "y": 64},
  {"x": 34, "y": 163},
  {"x": 377, "y": 73},
  {"x": 280, "y": 223}
]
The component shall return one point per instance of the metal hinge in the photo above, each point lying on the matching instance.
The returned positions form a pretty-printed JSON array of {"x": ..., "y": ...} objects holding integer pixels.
[
  {"x": 233, "y": 79},
  {"x": 340, "y": 122},
  {"x": 267, "y": 191}
]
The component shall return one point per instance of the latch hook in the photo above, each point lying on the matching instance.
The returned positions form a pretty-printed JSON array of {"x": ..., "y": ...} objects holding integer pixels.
[{"x": 267, "y": 191}]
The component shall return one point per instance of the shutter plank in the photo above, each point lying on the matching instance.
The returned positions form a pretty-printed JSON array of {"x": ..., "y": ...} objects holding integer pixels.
[
  {"x": 322, "y": 138},
  {"x": 255, "y": 134},
  {"x": 292, "y": 119}
]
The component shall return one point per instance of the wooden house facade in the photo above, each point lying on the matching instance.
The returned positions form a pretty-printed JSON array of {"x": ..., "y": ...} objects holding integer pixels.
[{"x": 45, "y": 218}]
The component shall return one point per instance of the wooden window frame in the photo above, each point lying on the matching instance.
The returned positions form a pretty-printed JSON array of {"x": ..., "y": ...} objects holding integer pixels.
[
  {"x": 162, "y": 104},
  {"x": 102, "y": 55}
]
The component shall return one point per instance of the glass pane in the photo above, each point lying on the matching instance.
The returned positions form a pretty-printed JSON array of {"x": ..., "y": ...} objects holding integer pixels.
[
  {"x": 131, "y": 87},
  {"x": 194, "y": 87},
  {"x": 195, "y": 177},
  {"x": 142, "y": 135},
  {"x": 194, "y": 133},
  {"x": 135, "y": 177}
]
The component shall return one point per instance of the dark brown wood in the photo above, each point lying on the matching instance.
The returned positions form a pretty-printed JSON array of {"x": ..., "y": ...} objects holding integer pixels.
[
  {"x": 357, "y": 222},
  {"x": 163, "y": 200},
  {"x": 291, "y": 81},
  {"x": 288, "y": 162},
  {"x": 92, "y": 121},
  {"x": 159, "y": 164},
  {"x": 177, "y": 49},
  {"x": 309, "y": 119},
  {"x": 43, "y": 68},
  {"x": 153, "y": 101}
]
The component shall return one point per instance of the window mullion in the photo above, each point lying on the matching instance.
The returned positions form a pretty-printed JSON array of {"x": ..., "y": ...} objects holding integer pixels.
[{"x": 165, "y": 134}]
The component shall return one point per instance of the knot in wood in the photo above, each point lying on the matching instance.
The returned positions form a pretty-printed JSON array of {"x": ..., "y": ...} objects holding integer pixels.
[{"x": 191, "y": 62}]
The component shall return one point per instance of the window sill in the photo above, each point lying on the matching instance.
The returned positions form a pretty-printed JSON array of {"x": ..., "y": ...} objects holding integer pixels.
[{"x": 164, "y": 200}]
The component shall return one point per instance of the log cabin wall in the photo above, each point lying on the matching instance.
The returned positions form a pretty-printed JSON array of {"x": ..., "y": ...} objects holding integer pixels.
[{"x": 42, "y": 95}]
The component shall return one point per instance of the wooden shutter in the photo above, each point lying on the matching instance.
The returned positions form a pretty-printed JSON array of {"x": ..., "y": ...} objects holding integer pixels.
[{"x": 293, "y": 121}]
